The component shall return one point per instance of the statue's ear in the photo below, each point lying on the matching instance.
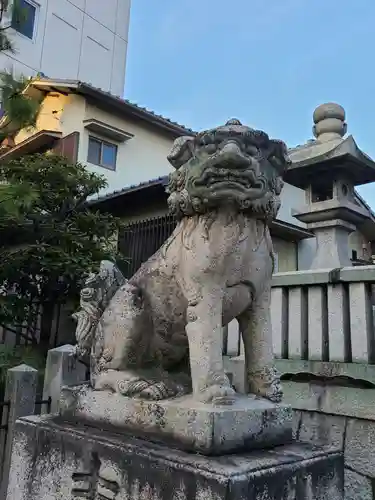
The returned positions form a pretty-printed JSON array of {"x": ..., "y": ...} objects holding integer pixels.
[
  {"x": 182, "y": 151},
  {"x": 278, "y": 156}
]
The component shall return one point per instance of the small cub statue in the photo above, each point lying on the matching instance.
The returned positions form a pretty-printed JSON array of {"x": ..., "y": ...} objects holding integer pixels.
[{"x": 159, "y": 334}]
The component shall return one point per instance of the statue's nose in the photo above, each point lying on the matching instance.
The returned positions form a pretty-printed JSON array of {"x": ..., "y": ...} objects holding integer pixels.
[{"x": 231, "y": 147}]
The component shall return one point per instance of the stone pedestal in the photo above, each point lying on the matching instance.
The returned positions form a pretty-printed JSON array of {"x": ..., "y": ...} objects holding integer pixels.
[
  {"x": 250, "y": 423},
  {"x": 332, "y": 243},
  {"x": 53, "y": 460}
]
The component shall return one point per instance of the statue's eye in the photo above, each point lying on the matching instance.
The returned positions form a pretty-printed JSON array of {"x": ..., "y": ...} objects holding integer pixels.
[
  {"x": 210, "y": 149},
  {"x": 253, "y": 151},
  {"x": 207, "y": 139}
]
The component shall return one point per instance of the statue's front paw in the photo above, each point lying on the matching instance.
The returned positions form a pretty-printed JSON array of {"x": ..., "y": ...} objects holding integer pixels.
[
  {"x": 218, "y": 395},
  {"x": 274, "y": 393},
  {"x": 266, "y": 383},
  {"x": 218, "y": 391}
]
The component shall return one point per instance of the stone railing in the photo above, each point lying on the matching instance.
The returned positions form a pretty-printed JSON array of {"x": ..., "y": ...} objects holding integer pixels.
[
  {"x": 21, "y": 398},
  {"x": 324, "y": 315},
  {"x": 320, "y": 315},
  {"x": 324, "y": 342}
]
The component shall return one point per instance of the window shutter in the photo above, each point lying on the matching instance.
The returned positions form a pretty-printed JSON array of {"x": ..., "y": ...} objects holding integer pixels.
[{"x": 68, "y": 146}]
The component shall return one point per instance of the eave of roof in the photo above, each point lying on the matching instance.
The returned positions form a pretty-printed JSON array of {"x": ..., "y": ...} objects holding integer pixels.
[
  {"x": 159, "y": 181},
  {"x": 289, "y": 231},
  {"x": 122, "y": 105},
  {"x": 365, "y": 205},
  {"x": 31, "y": 144}
]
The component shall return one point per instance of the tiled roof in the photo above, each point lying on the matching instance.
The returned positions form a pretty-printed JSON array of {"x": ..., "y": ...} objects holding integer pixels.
[
  {"x": 123, "y": 104},
  {"x": 159, "y": 181},
  {"x": 137, "y": 107}
]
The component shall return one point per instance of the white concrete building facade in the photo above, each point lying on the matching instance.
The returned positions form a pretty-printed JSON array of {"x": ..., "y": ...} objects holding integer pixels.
[{"x": 75, "y": 39}]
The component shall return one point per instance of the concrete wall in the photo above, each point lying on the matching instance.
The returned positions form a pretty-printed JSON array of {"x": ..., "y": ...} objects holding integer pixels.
[
  {"x": 334, "y": 403},
  {"x": 50, "y": 116},
  {"x": 75, "y": 39},
  {"x": 355, "y": 436},
  {"x": 292, "y": 198},
  {"x": 286, "y": 255}
]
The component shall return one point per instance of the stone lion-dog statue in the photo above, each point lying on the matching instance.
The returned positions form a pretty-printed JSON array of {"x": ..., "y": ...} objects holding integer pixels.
[{"x": 159, "y": 335}]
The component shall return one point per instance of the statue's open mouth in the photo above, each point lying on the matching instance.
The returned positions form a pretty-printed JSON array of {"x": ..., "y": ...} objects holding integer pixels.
[{"x": 227, "y": 178}]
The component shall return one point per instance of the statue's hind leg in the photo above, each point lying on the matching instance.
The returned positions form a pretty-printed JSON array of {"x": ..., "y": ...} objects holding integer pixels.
[
  {"x": 261, "y": 377},
  {"x": 125, "y": 357}
]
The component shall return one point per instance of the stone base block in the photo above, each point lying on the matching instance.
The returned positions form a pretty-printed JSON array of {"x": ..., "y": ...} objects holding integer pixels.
[
  {"x": 54, "y": 461},
  {"x": 249, "y": 423}
]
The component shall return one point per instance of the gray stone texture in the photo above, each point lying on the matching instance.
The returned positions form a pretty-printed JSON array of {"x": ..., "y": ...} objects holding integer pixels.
[
  {"x": 357, "y": 487},
  {"x": 62, "y": 368},
  {"x": 323, "y": 429},
  {"x": 20, "y": 391},
  {"x": 296, "y": 422},
  {"x": 249, "y": 423},
  {"x": 355, "y": 436},
  {"x": 360, "y": 446},
  {"x": 56, "y": 461},
  {"x": 325, "y": 398}
]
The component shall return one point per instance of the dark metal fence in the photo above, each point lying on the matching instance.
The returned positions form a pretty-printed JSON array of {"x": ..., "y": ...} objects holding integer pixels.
[
  {"x": 61, "y": 328},
  {"x": 39, "y": 403},
  {"x": 139, "y": 240},
  {"x": 4, "y": 419}
]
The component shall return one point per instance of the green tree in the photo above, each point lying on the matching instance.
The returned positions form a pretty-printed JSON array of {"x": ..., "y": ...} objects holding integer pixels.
[
  {"x": 6, "y": 9},
  {"x": 49, "y": 237},
  {"x": 20, "y": 109}
]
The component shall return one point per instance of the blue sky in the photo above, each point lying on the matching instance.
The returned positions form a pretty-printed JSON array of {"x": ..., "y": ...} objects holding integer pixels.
[{"x": 267, "y": 62}]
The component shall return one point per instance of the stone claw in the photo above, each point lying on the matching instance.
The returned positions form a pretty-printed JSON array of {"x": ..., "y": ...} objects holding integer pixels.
[
  {"x": 218, "y": 395},
  {"x": 266, "y": 383}
]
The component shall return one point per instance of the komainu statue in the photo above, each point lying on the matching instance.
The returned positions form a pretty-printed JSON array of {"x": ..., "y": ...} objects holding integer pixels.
[{"x": 159, "y": 334}]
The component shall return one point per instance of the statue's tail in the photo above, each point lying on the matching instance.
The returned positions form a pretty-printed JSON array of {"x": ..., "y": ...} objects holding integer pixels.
[{"x": 95, "y": 296}]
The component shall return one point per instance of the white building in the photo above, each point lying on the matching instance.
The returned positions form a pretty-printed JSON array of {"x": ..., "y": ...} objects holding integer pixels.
[{"x": 74, "y": 39}]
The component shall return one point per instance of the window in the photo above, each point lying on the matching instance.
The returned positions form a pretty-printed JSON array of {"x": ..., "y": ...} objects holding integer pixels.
[
  {"x": 102, "y": 153},
  {"x": 322, "y": 193},
  {"x": 23, "y": 18}
]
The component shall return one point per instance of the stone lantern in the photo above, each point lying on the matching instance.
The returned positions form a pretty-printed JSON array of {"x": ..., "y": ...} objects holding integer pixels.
[{"x": 329, "y": 168}]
